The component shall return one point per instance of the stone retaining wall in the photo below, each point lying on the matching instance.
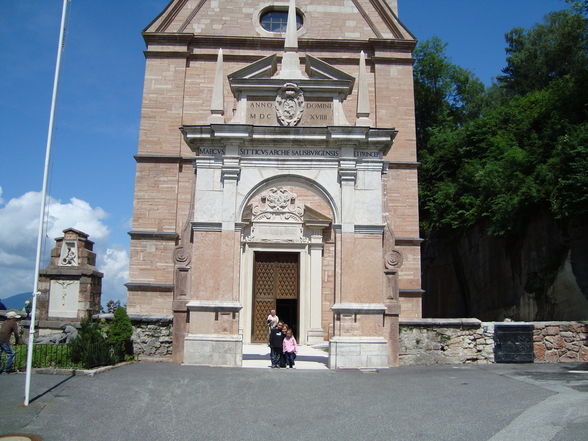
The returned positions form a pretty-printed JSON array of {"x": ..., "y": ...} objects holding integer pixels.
[
  {"x": 457, "y": 341},
  {"x": 152, "y": 334},
  {"x": 445, "y": 341},
  {"x": 555, "y": 342}
]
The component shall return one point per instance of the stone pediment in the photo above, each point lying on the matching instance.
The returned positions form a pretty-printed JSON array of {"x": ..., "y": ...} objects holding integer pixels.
[
  {"x": 266, "y": 98},
  {"x": 280, "y": 205},
  {"x": 264, "y": 68},
  {"x": 375, "y": 19},
  {"x": 317, "y": 68},
  {"x": 267, "y": 67},
  {"x": 276, "y": 216}
]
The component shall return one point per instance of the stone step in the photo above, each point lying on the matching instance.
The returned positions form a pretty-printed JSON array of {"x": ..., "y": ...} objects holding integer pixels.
[{"x": 308, "y": 357}]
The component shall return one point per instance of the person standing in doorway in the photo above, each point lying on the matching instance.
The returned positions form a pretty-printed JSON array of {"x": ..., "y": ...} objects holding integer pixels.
[
  {"x": 272, "y": 322},
  {"x": 272, "y": 319},
  {"x": 276, "y": 341},
  {"x": 289, "y": 347},
  {"x": 10, "y": 326}
]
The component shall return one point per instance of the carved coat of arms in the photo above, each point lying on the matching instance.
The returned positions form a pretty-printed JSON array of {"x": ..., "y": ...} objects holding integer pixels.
[{"x": 289, "y": 104}]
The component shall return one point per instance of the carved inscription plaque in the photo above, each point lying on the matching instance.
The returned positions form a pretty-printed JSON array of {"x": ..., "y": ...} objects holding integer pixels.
[{"x": 262, "y": 111}]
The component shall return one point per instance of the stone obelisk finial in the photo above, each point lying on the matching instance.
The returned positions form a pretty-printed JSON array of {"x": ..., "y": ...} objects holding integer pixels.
[
  {"x": 290, "y": 60},
  {"x": 217, "y": 105},
  {"x": 363, "y": 99}
]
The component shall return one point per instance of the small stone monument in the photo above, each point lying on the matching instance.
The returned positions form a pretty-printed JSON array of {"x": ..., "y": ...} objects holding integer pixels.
[{"x": 70, "y": 287}]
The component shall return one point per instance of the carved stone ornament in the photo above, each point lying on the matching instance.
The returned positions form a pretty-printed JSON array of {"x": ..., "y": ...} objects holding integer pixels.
[
  {"x": 289, "y": 104},
  {"x": 182, "y": 256},
  {"x": 277, "y": 204},
  {"x": 393, "y": 260},
  {"x": 69, "y": 254},
  {"x": 276, "y": 217}
]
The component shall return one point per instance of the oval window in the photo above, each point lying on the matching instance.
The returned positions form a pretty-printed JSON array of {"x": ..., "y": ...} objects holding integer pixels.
[{"x": 277, "y": 21}]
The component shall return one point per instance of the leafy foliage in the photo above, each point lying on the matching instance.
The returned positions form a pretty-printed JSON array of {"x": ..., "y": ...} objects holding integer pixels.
[
  {"x": 446, "y": 95},
  {"x": 501, "y": 155},
  {"x": 119, "y": 334},
  {"x": 90, "y": 347},
  {"x": 547, "y": 52}
]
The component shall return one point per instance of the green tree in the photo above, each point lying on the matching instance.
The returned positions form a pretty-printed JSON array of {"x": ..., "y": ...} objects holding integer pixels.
[
  {"x": 446, "y": 95},
  {"x": 545, "y": 53},
  {"x": 579, "y": 6},
  {"x": 119, "y": 333},
  {"x": 90, "y": 347},
  {"x": 523, "y": 149}
]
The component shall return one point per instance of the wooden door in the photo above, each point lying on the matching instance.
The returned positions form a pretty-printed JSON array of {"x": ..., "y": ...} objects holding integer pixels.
[{"x": 275, "y": 276}]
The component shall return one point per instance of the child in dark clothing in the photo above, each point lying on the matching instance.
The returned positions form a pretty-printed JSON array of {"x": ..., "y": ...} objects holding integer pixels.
[{"x": 276, "y": 342}]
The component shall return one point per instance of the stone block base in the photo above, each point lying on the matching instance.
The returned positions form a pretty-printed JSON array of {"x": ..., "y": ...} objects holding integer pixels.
[
  {"x": 213, "y": 350},
  {"x": 315, "y": 336},
  {"x": 358, "y": 353}
]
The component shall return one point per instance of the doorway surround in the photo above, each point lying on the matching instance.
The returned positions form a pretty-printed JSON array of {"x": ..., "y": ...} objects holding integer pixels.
[{"x": 277, "y": 223}]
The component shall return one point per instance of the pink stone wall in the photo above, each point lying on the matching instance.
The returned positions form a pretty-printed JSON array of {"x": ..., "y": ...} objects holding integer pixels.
[{"x": 559, "y": 342}]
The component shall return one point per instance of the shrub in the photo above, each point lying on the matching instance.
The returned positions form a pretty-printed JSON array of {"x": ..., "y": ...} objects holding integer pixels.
[
  {"x": 119, "y": 334},
  {"x": 90, "y": 348}
]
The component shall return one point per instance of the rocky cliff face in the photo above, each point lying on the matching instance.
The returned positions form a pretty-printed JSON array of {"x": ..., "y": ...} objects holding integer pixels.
[{"x": 542, "y": 274}]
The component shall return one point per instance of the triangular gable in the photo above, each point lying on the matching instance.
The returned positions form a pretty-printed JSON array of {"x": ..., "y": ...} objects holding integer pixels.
[
  {"x": 363, "y": 19},
  {"x": 317, "y": 68},
  {"x": 264, "y": 68},
  {"x": 382, "y": 19}
]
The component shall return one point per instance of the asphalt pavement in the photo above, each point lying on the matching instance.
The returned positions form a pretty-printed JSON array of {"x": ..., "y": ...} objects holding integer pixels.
[{"x": 164, "y": 401}]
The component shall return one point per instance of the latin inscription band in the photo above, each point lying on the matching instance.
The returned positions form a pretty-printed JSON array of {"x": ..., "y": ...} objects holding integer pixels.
[{"x": 291, "y": 152}]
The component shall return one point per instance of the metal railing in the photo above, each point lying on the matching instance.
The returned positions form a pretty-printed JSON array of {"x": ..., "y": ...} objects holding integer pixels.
[{"x": 61, "y": 356}]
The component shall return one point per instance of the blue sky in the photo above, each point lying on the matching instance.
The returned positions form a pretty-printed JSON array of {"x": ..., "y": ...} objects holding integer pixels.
[{"x": 99, "y": 100}]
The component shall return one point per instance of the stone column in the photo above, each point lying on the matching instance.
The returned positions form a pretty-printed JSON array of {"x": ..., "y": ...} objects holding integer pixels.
[
  {"x": 392, "y": 263},
  {"x": 315, "y": 333}
]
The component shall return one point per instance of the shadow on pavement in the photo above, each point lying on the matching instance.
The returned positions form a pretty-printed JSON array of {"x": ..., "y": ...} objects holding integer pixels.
[{"x": 42, "y": 394}]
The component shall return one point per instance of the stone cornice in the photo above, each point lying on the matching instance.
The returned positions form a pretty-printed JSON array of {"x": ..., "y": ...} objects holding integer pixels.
[
  {"x": 277, "y": 44},
  {"x": 447, "y": 322},
  {"x": 412, "y": 292},
  {"x": 369, "y": 229},
  {"x": 162, "y": 158},
  {"x": 406, "y": 241},
  {"x": 70, "y": 272},
  {"x": 154, "y": 235},
  {"x": 331, "y": 136},
  {"x": 207, "y": 226},
  {"x": 156, "y": 287},
  {"x": 403, "y": 165},
  {"x": 140, "y": 318},
  {"x": 214, "y": 305},
  {"x": 358, "y": 308}
]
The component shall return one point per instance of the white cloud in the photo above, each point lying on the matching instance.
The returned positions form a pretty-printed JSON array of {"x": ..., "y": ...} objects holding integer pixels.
[
  {"x": 114, "y": 263},
  {"x": 19, "y": 221}
]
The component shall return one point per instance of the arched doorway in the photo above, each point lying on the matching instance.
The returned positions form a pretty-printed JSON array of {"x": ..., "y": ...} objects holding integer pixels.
[{"x": 281, "y": 264}]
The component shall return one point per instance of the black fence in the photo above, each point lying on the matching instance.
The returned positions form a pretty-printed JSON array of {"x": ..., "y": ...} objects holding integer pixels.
[{"x": 63, "y": 357}]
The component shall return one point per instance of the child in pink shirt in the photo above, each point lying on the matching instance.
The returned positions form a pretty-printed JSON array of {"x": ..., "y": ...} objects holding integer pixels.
[{"x": 290, "y": 348}]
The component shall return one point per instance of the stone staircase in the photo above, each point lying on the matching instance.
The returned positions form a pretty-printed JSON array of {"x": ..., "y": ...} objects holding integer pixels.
[{"x": 308, "y": 357}]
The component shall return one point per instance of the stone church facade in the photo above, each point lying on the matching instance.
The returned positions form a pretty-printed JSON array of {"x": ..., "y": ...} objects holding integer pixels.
[{"x": 276, "y": 169}]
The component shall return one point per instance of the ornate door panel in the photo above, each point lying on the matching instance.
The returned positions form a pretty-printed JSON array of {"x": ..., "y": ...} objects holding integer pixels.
[{"x": 275, "y": 276}]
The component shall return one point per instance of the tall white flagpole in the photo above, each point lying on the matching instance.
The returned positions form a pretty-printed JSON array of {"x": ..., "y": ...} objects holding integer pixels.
[{"x": 42, "y": 213}]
